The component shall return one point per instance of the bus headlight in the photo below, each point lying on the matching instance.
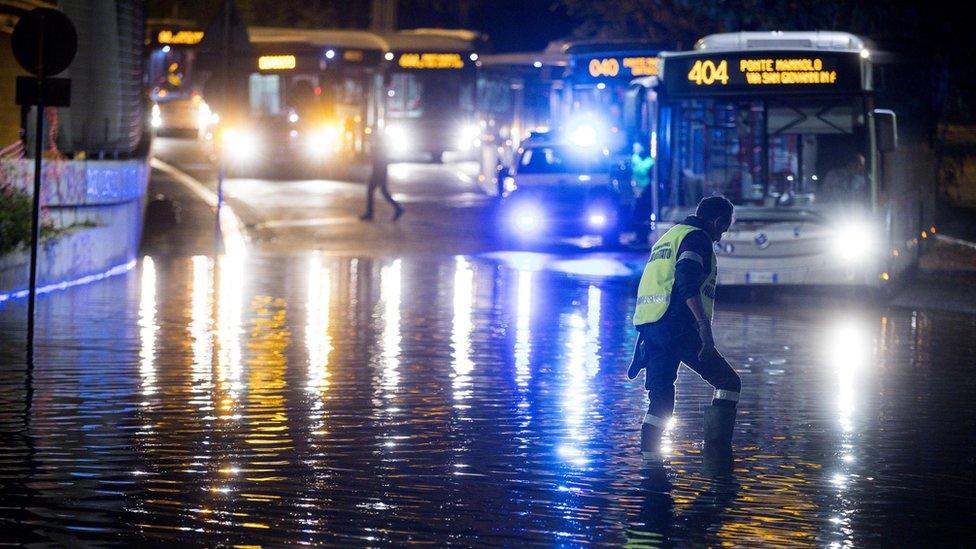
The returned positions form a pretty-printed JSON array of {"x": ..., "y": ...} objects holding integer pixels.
[
  {"x": 239, "y": 144},
  {"x": 397, "y": 137},
  {"x": 470, "y": 135},
  {"x": 854, "y": 242},
  {"x": 323, "y": 141},
  {"x": 204, "y": 116}
]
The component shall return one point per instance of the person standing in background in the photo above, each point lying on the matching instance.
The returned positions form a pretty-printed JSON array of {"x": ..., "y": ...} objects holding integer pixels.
[{"x": 641, "y": 164}]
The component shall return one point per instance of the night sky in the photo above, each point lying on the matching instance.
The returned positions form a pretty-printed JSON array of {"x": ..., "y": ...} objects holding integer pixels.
[{"x": 512, "y": 25}]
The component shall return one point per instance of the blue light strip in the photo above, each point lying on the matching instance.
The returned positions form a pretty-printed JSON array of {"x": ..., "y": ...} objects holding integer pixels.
[{"x": 117, "y": 270}]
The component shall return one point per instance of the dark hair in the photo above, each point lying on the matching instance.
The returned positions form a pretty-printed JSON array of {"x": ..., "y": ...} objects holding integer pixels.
[{"x": 714, "y": 207}]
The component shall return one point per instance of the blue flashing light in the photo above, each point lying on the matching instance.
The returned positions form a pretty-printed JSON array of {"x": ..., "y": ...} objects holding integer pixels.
[
  {"x": 585, "y": 130},
  {"x": 583, "y": 135}
]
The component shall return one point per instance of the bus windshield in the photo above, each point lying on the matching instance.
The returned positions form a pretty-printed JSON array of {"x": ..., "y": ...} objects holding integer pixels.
[
  {"x": 430, "y": 94},
  {"x": 553, "y": 160},
  {"x": 784, "y": 152},
  {"x": 169, "y": 71},
  {"x": 275, "y": 95}
]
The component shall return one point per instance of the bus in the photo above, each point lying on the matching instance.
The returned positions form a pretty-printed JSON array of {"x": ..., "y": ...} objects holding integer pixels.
[
  {"x": 309, "y": 100},
  {"x": 178, "y": 106},
  {"x": 570, "y": 88},
  {"x": 786, "y": 126},
  {"x": 430, "y": 92},
  {"x": 515, "y": 99},
  {"x": 594, "y": 86}
]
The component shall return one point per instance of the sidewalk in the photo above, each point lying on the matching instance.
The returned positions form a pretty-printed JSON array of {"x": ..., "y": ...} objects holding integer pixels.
[{"x": 946, "y": 278}]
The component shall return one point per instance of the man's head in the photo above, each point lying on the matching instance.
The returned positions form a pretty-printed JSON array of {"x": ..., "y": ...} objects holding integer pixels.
[
  {"x": 856, "y": 163},
  {"x": 716, "y": 212},
  {"x": 637, "y": 147}
]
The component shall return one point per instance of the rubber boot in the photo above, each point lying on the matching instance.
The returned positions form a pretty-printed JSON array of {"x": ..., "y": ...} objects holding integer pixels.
[{"x": 717, "y": 453}]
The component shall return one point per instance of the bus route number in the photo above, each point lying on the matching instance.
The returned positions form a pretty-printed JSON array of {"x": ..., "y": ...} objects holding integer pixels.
[{"x": 707, "y": 73}]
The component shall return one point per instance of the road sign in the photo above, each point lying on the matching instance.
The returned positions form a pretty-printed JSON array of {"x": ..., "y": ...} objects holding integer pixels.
[
  {"x": 44, "y": 43},
  {"x": 57, "y": 92},
  {"x": 49, "y": 31}
]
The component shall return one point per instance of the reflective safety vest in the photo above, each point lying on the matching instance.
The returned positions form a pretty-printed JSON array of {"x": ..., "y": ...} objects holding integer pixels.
[{"x": 654, "y": 291}]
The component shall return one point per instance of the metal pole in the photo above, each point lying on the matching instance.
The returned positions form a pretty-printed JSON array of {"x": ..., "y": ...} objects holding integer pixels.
[
  {"x": 36, "y": 227},
  {"x": 225, "y": 74}
]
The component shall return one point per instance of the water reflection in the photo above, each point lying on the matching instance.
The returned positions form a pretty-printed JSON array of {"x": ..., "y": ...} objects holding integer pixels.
[
  {"x": 462, "y": 328},
  {"x": 470, "y": 400},
  {"x": 201, "y": 289},
  {"x": 391, "y": 287},
  {"x": 147, "y": 328},
  {"x": 523, "y": 326},
  {"x": 849, "y": 346},
  {"x": 318, "y": 339}
]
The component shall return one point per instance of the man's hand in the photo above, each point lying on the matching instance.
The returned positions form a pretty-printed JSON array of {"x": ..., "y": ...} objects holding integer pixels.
[
  {"x": 639, "y": 361},
  {"x": 708, "y": 342}
]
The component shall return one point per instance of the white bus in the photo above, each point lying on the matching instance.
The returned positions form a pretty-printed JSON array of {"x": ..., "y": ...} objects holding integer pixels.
[{"x": 785, "y": 125}]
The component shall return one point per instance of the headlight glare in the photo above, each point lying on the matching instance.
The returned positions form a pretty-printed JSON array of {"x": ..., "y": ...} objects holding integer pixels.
[
  {"x": 854, "y": 242},
  {"x": 239, "y": 144}
]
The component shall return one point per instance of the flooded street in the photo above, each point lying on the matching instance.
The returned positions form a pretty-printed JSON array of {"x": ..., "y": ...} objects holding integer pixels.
[{"x": 304, "y": 398}]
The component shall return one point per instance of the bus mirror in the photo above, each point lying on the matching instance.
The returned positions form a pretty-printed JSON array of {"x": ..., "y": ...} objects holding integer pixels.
[{"x": 885, "y": 130}]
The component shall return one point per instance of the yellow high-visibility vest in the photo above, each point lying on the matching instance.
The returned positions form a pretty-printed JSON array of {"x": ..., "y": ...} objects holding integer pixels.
[{"x": 654, "y": 291}]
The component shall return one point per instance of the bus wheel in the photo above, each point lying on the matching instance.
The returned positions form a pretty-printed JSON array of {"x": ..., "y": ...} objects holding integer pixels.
[{"x": 437, "y": 156}]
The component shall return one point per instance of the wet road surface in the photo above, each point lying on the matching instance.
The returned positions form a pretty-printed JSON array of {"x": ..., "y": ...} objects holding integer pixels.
[{"x": 293, "y": 394}]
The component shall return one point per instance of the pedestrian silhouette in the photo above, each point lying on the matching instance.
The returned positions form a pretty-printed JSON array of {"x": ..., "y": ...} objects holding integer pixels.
[{"x": 378, "y": 179}]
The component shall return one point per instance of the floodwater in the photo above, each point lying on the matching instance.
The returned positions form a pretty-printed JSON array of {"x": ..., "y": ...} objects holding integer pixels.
[{"x": 311, "y": 399}]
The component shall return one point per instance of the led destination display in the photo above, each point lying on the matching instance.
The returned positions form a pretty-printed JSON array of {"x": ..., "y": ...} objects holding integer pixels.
[{"x": 758, "y": 72}]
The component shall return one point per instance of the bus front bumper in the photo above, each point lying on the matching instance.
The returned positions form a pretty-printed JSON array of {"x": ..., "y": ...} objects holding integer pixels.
[{"x": 815, "y": 269}]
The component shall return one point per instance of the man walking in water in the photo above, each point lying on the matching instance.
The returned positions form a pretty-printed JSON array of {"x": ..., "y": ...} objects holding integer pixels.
[
  {"x": 675, "y": 300},
  {"x": 378, "y": 179}
]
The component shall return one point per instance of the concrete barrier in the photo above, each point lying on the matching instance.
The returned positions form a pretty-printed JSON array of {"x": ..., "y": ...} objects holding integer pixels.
[{"x": 97, "y": 207}]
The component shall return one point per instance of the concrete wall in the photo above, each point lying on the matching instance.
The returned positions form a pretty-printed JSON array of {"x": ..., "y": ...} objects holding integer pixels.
[{"x": 109, "y": 194}]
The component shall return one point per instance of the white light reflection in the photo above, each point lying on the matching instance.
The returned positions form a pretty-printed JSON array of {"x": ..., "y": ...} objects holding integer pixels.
[
  {"x": 576, "y": 399},
  {"x": 230, "y": 310},
  {"x": 317, "y": 338},
  {"x": 593, "y": 329},
  {"x": 463, "y": 327},
  {"x": 201, "y": 299},
  {"x": 523, "y": 321},
  {"x": 390, "y": 293},
  {"x": 849, "y": 347},
  {"x": 849, "y": 350},
  {"x": 147, "y": 327}
]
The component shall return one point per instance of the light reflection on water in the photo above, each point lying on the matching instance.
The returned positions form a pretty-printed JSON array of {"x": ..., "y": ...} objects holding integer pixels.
[{"x": 462, "y": 399}]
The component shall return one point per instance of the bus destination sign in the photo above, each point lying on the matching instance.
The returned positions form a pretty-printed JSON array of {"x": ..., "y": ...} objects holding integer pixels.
[
  {"x": 431, "y": 61},
  {"x": 181, "y": 37},
  {"x": 277, "y": 62},
  {"x": 620, "y": 67},
  {"x": 758, "y": 72}
]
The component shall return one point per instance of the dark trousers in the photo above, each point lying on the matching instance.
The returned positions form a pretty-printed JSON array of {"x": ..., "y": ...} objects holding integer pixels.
[
  {"x": 668, "y": 346},
  {"x": 378, "y": 180}
]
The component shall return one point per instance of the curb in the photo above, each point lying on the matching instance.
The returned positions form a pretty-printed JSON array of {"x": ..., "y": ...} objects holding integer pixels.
[
  {"x": 231, "y": 228},
  {"x": 957, "y": 241}
]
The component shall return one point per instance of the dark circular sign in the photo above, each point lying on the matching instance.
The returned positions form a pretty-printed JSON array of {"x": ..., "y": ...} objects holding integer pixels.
[{"x": 55, "y": 30}]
